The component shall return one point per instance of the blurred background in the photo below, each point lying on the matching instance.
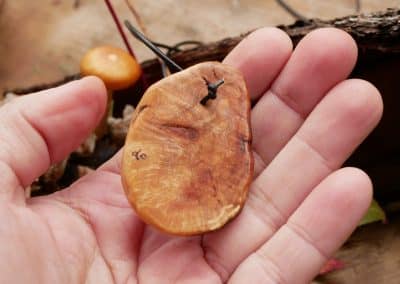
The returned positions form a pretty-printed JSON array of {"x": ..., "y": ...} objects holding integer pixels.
[{"x": 44, "y": 40}]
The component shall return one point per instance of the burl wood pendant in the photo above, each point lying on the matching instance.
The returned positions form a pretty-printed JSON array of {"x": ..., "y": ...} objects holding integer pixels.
[{"x": 187, "y": 162}]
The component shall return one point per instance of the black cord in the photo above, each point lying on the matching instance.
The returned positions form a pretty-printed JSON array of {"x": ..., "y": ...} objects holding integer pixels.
[
  {"x": 291, "y": 10},
  {"x": 172, "y": 49},
  {"x": 212, "y": 91},
  {"x": 171, "y": 64}
]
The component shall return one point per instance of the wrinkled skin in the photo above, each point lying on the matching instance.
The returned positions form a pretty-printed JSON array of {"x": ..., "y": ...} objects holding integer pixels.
[{"x": 301, "y": 206}]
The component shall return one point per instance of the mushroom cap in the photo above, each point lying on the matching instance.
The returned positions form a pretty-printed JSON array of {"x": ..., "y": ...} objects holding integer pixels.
[{"x": 117, "y": 68}]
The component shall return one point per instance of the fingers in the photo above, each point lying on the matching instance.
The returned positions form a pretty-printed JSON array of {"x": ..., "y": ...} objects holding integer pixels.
[
  {"x": 316, "y": 230},
  {"x": 331, "y": 132},
  {"x": 260, "y": 57},
  {"x": 322, "y": 59},
  {"x": 40, "y": 129}
]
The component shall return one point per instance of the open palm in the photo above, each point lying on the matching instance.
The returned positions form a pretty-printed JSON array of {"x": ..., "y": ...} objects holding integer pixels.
[{"x": 306, "y": 121}]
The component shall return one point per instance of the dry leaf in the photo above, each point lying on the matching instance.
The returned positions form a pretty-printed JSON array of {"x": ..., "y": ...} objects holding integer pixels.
[{"x": 374, "y": 214}]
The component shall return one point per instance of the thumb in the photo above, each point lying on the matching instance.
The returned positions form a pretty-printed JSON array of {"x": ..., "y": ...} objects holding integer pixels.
[{"x": 42, "y": 128}]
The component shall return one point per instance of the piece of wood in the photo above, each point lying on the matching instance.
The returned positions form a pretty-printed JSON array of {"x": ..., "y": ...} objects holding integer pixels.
[
  {"x": 187, "y": 162},
  {"x": 374, "y": 33},
  {"x": 53, "y": 36}
]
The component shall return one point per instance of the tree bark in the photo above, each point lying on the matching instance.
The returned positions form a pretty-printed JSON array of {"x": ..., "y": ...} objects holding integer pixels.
[{"x": 374, "y": 33}]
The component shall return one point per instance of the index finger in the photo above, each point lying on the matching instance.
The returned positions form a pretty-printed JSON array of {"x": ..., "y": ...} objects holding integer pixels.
[{"x": 260, "y": 57}]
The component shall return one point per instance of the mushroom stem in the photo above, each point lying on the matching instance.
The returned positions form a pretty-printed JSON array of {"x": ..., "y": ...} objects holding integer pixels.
[
  {"x": 102, "y": 127},
  {"x": 119, "y": 27}
]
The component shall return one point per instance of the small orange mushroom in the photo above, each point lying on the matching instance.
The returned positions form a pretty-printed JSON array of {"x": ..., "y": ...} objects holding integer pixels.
[{"x": 115, "y": 67}]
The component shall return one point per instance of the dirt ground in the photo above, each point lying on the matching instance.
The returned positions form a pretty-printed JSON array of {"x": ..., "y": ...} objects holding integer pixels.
[{"x": 43, "y": 41}]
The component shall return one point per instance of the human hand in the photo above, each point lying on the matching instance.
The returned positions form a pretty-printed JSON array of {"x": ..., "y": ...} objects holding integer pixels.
[{"x": 301, "y": 207}]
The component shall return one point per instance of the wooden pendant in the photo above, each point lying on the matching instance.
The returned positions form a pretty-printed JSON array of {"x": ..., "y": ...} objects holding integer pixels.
[{"x": 187, "y": 162}]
